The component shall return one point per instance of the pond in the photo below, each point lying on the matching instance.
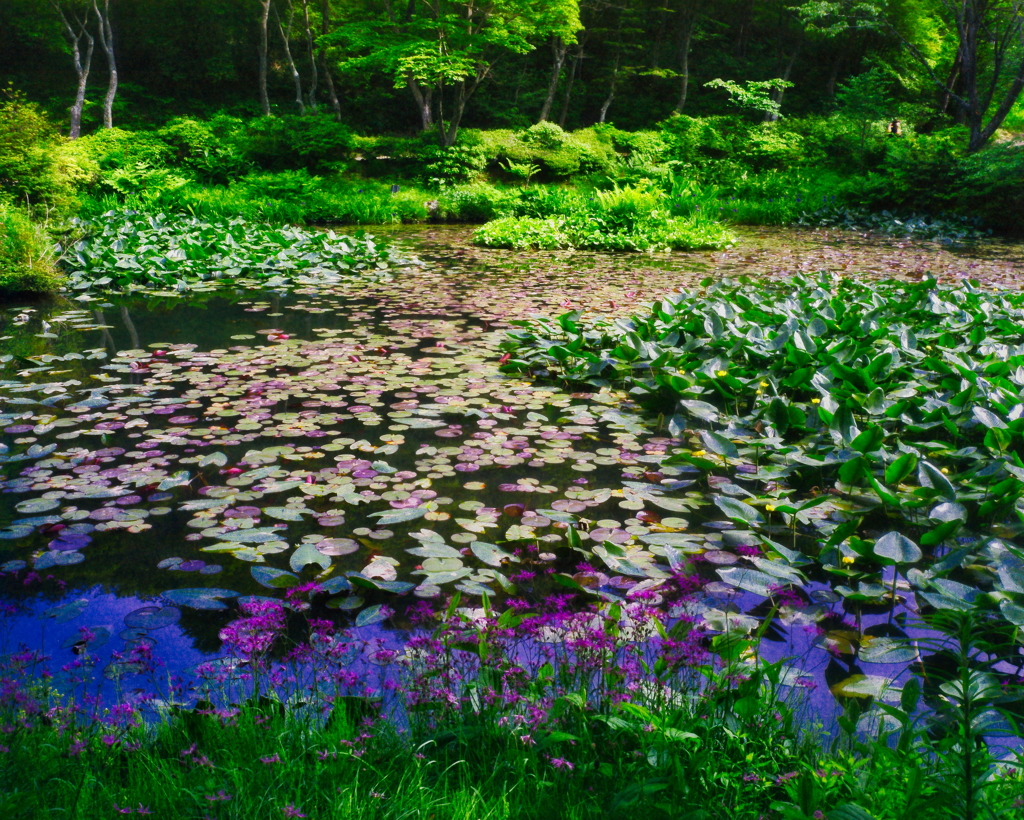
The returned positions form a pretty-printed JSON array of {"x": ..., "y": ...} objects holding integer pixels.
[{"x": 165, "y": 459}]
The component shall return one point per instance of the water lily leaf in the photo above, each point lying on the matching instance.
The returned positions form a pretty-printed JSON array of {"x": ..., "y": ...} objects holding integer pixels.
[
  {"x": 308, "y": 554},
  {"x": 58, "y": 558},
  {"x": 176, "y": 480},
  {"x": 200, "y": 598},
  {"x": 16, "y": 531},
  {"x": 214, "y": 460},
  {"x": 863, "y": 686},
  {"x": 434, "y": 549},
  {"x": 398, "y": 516},
  {"x": 274, "y": 578},
  {"x": 750, "y": 580},
  {"x": 100, "y": 635},
  {"x": 337, "y": 546},
  {"x": 373, "y": 615},
  {"x": 251, "y": 536},
  {"x": 152, "y": 617},
  {"x": 66, "y": 612},
  {"x": 491, "y": 554},
  {"x": 37, "y": 505},
  {"x": 887, "y": 650},
  {"x": 285, "y": 513}
]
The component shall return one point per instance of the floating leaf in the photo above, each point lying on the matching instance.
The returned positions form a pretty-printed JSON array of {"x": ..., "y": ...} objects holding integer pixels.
[{"x": 274, "y": 578}]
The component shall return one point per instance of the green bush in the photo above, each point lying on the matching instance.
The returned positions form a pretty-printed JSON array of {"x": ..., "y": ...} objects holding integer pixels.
[
  {"x": 623, "y": 219},
  {"x": 478, "y": 202},
  {"x": 209, "y": 148},
  {"x": 37, "y": 165},
  {"x": 26, "y": 255},
  {"x": 559, "y": 154},
  {"x": 314, "y": 142}
]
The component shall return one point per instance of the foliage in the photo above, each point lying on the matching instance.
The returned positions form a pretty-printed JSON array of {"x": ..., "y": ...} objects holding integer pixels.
[
  {"x": 623, "y": 219},
  {"x": 37, "y": 166},
  {"x": 27, "y": 258},
  {"x": 947, "y": 231},
  {"x": 552, "y": 706},
  {"x": 903, "y": 398},
  {"x": 126, "y": 250},
  {"x": 753, "y": 95}
]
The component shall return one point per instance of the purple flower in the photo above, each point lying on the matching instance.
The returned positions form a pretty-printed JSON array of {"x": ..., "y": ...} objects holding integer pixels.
[
  {"x": 562, "y": 763},
  {"x": 291, "y": 811},
  {"x": 269, "y": 761}
]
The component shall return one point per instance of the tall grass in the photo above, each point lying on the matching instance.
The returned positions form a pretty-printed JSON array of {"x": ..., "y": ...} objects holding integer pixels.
[{"x": 27, "y": 257}]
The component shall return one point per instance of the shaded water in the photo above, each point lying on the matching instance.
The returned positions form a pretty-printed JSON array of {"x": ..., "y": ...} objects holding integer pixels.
[{"x": 159, "y": 448}]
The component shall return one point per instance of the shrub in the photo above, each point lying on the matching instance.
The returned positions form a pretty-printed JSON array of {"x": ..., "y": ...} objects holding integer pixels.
[
  {"x": 211, "y": 149},
  {"x": 26, "y": 255},
  {"x": 455, "y": 164},
  {"x": 475, "y": 203},
  {"x": 37, "y": 165},
  {"x": 117, "y": 148},
  {"x": 317, "y": 143},
  {"x": 522, "y": 233},
  {"x": 623, "y": 219}
]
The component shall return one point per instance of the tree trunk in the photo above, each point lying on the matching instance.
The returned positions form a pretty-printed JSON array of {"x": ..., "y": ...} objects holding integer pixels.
[
  {"x": 558, "y": 48},
  {"x": 687, "y": 25},
  {"x": 577, "y": 62},
  {"x": 611, "y": 92},
  {"x": 82, "y": 65},
  {"x": 106, "y": 33},
  {"x": 311, "y": 46},
  {"x": 946, "y": 95},
  {"x": 325, "y": 28},
  {"x": 264, "y": 97},
  {"x": 285, "y": 37},
  {"x": 779, "y": 93},
  {"x": 423, "y": 98}
]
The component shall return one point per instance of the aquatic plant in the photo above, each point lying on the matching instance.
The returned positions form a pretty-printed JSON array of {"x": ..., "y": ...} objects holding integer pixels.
[{"x": 130, "y": 250}]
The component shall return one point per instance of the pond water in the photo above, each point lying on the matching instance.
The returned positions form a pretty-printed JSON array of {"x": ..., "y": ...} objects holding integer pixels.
[{"x": 188, "y": 453}]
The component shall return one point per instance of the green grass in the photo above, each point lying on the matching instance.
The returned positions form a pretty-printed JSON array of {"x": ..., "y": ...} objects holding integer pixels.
[{"x": 26, "y": 255}]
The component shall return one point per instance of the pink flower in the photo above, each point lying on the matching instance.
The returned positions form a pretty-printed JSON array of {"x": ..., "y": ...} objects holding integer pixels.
[
  {"x": 274, "y": 758},
  {"x": 220, "y": 796},
  {"x": 291, "y": 811},
  {"x": 562, "y": 763}
]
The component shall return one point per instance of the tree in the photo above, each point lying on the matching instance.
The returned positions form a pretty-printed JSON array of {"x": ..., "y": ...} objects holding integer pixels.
[
  {"x": 263, "y": 46},
  {"x": 446, "y": 48},
  {"x": 987, "y": 75},
  {"x": 75, "y": 24},
  {"x": 106, "y": 34}
]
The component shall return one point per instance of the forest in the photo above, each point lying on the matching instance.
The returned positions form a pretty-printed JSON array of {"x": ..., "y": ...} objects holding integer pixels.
[{"x": 513, "y": 409}]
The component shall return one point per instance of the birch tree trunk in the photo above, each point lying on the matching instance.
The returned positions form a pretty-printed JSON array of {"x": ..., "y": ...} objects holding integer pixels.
[
  {"x": 285, "y": 38},
  {"x": 577, "y": 62},
  {"x": 558, "y": 49},
  {"x": 106, "y": 33},
  {"x": 311, "y": 47},
  {"x": 264, "y": 97},
  {"x": 325, "y": 28},
  {"x": 77, "y": 34}
]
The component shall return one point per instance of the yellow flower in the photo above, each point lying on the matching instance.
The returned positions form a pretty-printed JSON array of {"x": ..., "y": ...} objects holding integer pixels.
[
  {"x": 721, "y": 372},
  {"x": 700, "y": 452},
  {"x": 764, "y": 384},
  {"x": 770, "y": 507},
  {"x": 945, "y": 471},
  {"x": 815, "y": 401},
  {"x": 848, "y": 560}
]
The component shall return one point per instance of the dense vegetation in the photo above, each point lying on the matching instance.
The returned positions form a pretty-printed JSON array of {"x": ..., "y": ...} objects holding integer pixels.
[{"x": 761, "y": 113}]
